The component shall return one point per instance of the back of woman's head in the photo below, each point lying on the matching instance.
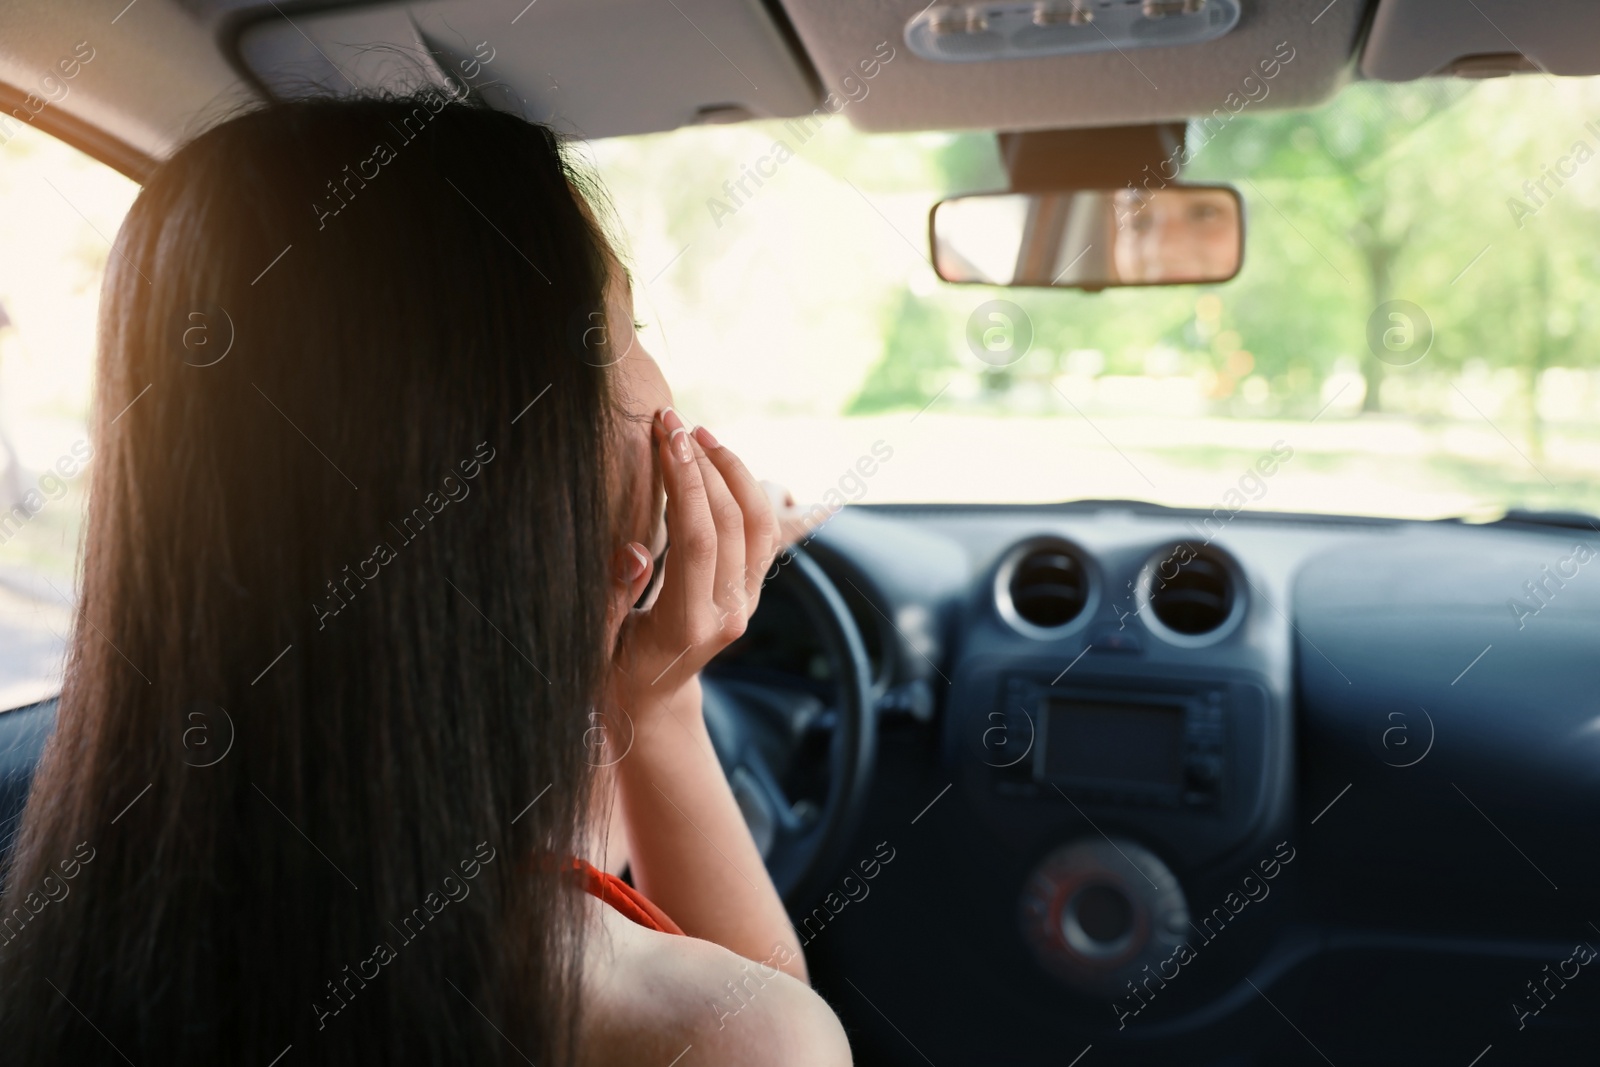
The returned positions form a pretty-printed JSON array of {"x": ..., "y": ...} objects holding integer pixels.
[{"x": 342, "y": 608}]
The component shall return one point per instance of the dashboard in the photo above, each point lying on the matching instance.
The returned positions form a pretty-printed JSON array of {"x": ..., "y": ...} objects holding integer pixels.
[
  {"x": 1289, "y": 790},
  {"x": 1277, "y": 791}
]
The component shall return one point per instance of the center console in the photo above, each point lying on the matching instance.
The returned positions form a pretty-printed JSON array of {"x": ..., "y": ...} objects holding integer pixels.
[
  {"x": 1163, "y": 747},
  {"x": 1192, "y": 762},
  {"x": 1131, "y": 784}
]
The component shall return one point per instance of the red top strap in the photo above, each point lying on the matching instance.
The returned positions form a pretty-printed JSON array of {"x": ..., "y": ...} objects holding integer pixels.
[{"x": 623, "y": 897}]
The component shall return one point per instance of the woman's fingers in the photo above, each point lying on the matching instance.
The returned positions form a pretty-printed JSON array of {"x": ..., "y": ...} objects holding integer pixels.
[
  {"x": 730, "y": 595},
  {"x": 690, "y": 579},
  {"x": 723, "y": 533},
  {"x": 760, "y": 524}
]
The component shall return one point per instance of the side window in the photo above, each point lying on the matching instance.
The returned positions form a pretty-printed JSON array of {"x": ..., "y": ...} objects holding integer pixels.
[{"x": 59, "y": 210}]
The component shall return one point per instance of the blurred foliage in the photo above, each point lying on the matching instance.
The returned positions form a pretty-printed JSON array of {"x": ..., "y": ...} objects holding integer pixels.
[
  {"x": 1407, "y": 192},
  {"x": 786, "y": 263},
  {"x": 916, "y": 360}
]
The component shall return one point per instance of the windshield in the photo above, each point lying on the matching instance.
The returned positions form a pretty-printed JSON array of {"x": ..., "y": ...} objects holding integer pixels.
[{"x": 1410, "y": 334}]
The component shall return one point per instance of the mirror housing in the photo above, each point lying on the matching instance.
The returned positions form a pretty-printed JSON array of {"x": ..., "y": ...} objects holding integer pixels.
[{"x": 1090, "y": 238}]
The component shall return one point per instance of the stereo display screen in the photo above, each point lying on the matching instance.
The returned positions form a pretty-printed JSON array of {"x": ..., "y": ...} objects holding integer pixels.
[{"x": 1135, "y": 744}]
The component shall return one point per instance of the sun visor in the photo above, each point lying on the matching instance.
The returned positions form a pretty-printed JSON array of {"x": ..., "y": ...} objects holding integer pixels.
[
  {"x": 589, "y": 67},
  {"x": 1484, "y": 38}
]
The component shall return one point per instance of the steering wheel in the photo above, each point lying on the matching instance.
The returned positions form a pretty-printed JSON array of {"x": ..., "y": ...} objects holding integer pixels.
[{"x": 775, "y": 733}]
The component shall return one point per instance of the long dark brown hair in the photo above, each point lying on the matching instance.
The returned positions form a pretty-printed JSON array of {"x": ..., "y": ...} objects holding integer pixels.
[{"x": 344, "y": 585}]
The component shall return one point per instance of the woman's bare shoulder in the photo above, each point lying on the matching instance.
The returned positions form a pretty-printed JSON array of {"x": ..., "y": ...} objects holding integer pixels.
[{"x": 661, "y": 998}]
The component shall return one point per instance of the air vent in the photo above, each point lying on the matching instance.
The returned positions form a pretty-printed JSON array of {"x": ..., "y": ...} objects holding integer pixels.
[
  {"x": 1043, "y": 587},
  {"x": 1191, "y": 592}
]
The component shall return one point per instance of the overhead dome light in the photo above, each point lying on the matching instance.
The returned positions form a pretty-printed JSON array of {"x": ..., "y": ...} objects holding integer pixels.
[{"x": 966, "y": 33}]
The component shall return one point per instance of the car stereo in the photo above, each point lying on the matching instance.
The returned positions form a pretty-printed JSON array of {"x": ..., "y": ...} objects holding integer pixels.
[{"x": 1164, "y": 748}]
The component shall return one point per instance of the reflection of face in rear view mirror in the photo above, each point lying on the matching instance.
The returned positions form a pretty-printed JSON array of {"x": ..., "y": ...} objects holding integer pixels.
[{"x": 1176, "y": 235}]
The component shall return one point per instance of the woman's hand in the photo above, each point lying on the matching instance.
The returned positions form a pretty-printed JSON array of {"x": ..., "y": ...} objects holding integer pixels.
[
  {"x": 724, "y": 536},
  {"x": 689, "y": 848}
]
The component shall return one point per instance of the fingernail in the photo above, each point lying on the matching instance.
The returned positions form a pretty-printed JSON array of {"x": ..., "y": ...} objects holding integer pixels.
[
  {"x": 706, "y": 437},
  {"x": 635, "y": 562},
  {"x": 680, "y": 445},
  {"x": 670, "y": 420}
]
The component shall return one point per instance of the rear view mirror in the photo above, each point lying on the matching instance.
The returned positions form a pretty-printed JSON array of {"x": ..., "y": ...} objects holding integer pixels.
[{"x": 1090, "y": 238}]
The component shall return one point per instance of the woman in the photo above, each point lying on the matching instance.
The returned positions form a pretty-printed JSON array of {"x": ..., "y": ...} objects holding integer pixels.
[{"x": 359, "y": 682}]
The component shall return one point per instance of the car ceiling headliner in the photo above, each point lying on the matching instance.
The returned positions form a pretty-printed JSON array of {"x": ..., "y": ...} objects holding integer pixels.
[
  {"x": 154, "y": 81},
  {"x": 161, "y": 73}
]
